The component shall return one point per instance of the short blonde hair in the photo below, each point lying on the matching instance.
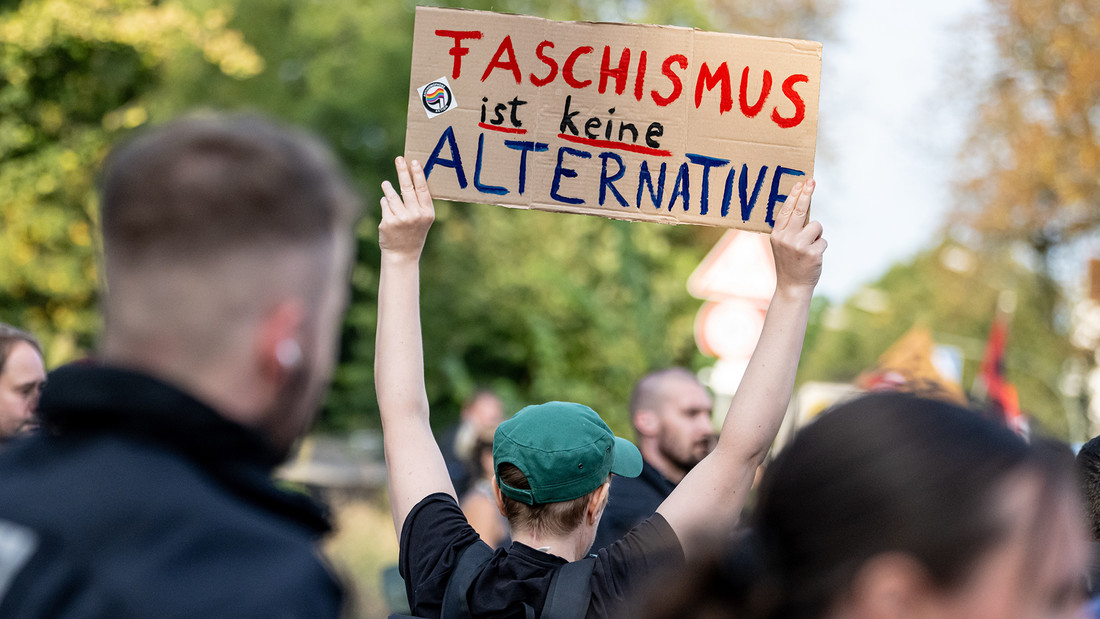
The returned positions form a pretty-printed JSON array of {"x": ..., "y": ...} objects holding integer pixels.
[{"x": 558, "y": 518}]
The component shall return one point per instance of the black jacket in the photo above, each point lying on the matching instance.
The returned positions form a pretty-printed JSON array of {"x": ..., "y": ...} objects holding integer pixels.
[
  {"x": 136, "y": 500},
  {"x": 632, "y": 500}
]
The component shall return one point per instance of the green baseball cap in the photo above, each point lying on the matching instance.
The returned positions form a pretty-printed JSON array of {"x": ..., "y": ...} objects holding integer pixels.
[{"x": 564, "y": 449}]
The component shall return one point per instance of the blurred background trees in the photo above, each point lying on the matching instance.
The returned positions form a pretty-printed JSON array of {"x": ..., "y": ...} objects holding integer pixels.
[
  {"x": 75, "y": 75},
  {"x": 1030, "y": 176},
  {"x": 953, "y": 290},
  {"x": 534, "y": 305},
  {"x": 1033, "y": 158}
]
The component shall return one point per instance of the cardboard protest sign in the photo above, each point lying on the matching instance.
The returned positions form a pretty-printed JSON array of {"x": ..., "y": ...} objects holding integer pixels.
[{"x": 653, "y": 123}]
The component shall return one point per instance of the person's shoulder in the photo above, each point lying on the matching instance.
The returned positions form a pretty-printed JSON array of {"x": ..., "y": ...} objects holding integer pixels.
[
  {"x": 434, "y": 535},
  {"x": 651, "y": 537},
  {"x": 95, "y": 483},
  {"x": 150, "y": 528},
  {"x": 651, "y": 546},
  {"x": 632, "y": 499},
  {"x": 112, "y": 472},
  {"x": 634, "y": 561},
  {"x": 436, "y": 520},
  {"x": 85, "y": 477},
  {"x": 58, "y": 581},
  {"x": 439, "y": 505}
]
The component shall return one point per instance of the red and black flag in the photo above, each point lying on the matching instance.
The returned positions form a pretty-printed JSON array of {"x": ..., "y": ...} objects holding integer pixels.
[{"x": 992, "y": 385}]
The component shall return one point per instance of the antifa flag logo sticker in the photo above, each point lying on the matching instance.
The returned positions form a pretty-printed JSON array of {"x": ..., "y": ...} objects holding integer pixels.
[{"x": 437, "y": 97}]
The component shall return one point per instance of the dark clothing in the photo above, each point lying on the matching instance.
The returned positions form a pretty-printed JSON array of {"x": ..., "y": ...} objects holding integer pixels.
[
  {"x": 1094, "y": 570},
  {"x": 461, "y": 473},
  {"x": 435, "y": 532},
  {"x": 136, "y": 500},
  {"x": 632, "y": 500},
  {"x": 1094, "y": 582}
]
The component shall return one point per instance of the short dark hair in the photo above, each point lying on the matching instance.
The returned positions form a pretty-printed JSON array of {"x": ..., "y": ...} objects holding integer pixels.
[
  {"x": 1088, "y": 469},
  {"x": 9, "y": 337},
  {"x": 648, "y": 390},
  {"x": 250, "y": 208},
  {"x": 889, "y": 472},
  {"x": 213, "y": 182}
]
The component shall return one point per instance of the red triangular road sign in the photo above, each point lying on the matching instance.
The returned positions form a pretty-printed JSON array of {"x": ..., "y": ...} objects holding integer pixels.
[{"x": 740, "y": 265}]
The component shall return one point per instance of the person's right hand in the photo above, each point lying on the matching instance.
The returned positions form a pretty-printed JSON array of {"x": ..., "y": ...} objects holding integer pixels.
[
  {"x": 797, "y": 246},
  {"x": 406, "y": 218}
]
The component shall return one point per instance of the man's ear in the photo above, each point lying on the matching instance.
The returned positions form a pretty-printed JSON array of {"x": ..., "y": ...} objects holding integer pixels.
[
  {"x": 647, "y": 422},
  {"x": 890, "y": 585},
  {"x": 596, "y": 502},
  {"x": 278, "y": 341}
]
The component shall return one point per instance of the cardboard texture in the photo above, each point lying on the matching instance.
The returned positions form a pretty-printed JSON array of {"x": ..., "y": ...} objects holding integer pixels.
[{"x": 653, "y": 123}]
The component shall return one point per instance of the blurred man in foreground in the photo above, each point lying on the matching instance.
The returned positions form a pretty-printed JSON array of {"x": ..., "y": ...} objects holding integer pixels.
[
  {"x": 22, "y": 375},
  {"x": 227, "y": 243},
  {"x": 671, "y": 413}
]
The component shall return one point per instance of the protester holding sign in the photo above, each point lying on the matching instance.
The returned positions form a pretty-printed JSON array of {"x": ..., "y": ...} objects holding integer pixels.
[{"x": 553, "y": 461}]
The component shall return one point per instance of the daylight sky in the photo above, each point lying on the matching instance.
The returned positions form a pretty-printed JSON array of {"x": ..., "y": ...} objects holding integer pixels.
[{"x": 889, "y": 132}]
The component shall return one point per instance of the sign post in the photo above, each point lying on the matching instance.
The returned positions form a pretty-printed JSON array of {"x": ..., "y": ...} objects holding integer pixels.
[{"x": 737, "y": 281}]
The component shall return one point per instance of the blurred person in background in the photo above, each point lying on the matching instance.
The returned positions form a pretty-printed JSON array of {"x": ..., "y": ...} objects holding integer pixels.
[
  {"x": 227, "y": 244},
  {"x": 480, "y": 505},
  {"x": 1088, "y": 470},
  {"x": 22, "y": 375},
  {"x": 479, "y": 417},
  {"x": 671, "y": 413},
  {"x": 895, "y": 506}
]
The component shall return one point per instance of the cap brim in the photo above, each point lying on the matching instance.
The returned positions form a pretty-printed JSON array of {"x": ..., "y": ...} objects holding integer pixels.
[{"x": 628, "y": 460}]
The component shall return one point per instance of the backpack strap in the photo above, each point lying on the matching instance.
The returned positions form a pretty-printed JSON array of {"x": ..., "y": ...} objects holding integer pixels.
[
  {"x": 470, "y": 561},
  {"x": 570, "y": 590}
]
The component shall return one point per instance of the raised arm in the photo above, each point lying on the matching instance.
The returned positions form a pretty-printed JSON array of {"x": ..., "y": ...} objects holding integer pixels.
[
  {"x": 414, "y": 464},
  {"x": 708, "y": 502}
]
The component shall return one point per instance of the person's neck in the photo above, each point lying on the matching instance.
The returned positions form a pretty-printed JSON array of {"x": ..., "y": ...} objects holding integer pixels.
[
  {"x": 664, "y": 466},
  {"x": 238, "y": 404},
  {"x": 571, "y": 547}
]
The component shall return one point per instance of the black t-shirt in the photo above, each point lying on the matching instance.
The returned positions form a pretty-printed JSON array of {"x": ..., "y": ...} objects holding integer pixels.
[
  {"x": 436, "y": 532},
  {"x": 632, "y": 500}
]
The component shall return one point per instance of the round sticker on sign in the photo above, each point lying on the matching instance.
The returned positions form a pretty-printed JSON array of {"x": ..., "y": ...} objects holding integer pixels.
[{"x": 437, "y": 97}]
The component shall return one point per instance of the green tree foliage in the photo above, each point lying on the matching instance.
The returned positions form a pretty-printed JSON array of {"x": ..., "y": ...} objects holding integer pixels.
[
  {"x": 74, "y": 75},
  {"x": 546, "y": 307},
  {"x": 1034, "y": 155},
  {"x": 340, "y": 68},
  {"x": 953, "y": 291},
  {"x": 1032, "y": 161},
  {"x": 538, "y": 306}
]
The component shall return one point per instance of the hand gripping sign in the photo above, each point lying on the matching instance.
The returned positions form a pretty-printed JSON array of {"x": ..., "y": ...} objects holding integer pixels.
[{"x": 652, "y": 123}]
